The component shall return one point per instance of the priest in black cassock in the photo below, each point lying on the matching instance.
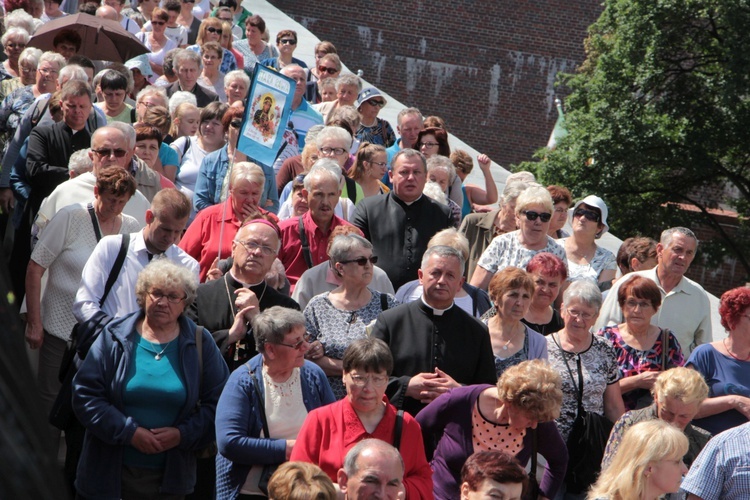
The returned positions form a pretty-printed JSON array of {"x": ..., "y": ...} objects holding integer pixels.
[
  {"x": 436, "y": 346},
  {"x": 226, "y": 306}
]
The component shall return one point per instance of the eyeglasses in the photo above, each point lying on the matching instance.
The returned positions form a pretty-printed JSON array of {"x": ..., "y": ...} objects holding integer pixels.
[
  {"x": 306, "y": 338},
  {"x": 375, "y": 104},
  {"x": 288, "y": 41},
  {"x": 642, "y": 304},
  {"x": 213, "y": 30},
  {"x": 587, "y": 214},
  {"x": 12, "y": 45},
  {"x": 360, "y": 381},
  {"x": 26, "y": 69},
  {"x": 579, "y": 314},
  {"x": 188, "y": 1},
  {"x": 106, "y": 153},
  {"x": 531, "y": 215},
  {"x": 428, "y": 144},
  {"x": 362, "y": 261},
  {"x": 334, "y": 151},
  {"x": 252, "y": 247},
  {"x": 172, "y": 299},
  {"x": 158, "y": 23},
  {"x": 330, "y": 71},
  {"x": 147, "y": 104},
  {"x": 379, "y": 163},
  {"x": 48, "y": 71},
  {"x": 236, "y": 123},
  {"x": 207, "y": 57}
]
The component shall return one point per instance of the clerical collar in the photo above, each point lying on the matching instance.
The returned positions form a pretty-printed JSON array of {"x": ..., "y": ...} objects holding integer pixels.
[
  {"x": 435, "y": 311},
  {"x": 244, "y": 285},
  {"x": 407, "y": 203}
]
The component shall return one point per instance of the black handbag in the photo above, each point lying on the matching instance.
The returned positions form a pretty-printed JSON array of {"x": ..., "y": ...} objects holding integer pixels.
[
  {"x": 268, "y": 469},
  {"x": 532, "y": 490},
  {"x": 586, "y": 442}
]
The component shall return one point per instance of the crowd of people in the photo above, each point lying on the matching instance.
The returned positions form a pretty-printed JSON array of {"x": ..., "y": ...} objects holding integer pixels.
[{"x": 352, "y": 320}]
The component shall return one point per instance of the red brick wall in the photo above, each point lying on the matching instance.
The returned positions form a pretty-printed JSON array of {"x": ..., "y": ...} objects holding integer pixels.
[{"x": 487, "y": 67}]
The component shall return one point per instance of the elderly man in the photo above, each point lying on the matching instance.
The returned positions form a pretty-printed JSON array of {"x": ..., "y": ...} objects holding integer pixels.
[
  {"x": 227, "y": 305},
  {"x": 347, "y": 90},
  {"x": 372, "y": 469},
  {"x": 303, "y": 115},
  {"x": 409, "y": 122},
  {"x": 684, "y": 307},
  {"x": 435, "y": 344},
  {"x": 305, "y": 238},
  {"x": 165, "y": 221},
  {"x": 187, "y": 66},
  {"x": 400, "y": 223}
]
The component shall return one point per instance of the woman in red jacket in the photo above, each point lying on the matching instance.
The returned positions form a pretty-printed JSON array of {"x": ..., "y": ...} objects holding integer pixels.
[{"x": 329, "y": 432}]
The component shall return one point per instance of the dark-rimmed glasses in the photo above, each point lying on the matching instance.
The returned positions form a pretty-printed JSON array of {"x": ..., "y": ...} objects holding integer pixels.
[
  {"x": 587, "y": 214},
  {"x": 106, "y": 153},
  {"x": 361, "y": 261},
  {"x": 306, "y": 338}
]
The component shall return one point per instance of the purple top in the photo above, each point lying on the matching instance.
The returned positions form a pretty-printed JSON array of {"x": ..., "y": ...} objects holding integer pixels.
[{"x": 447, "y": 421}]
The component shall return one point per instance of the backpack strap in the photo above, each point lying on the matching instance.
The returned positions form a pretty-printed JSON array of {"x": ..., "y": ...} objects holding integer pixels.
[
  {"x": 351, "y": 189},
  {"x": 397, "y": 429},
  {"x": 383, "y": 302},
  {"x": 305, "y": 244},
  {"x": 116, "y": 267}
]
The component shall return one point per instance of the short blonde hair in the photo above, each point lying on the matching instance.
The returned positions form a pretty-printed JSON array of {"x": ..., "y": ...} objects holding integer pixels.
[
  {"x": 533, "y": 387},
  {"x": 534, "y": 195},
  {"x": 247, "y": 171},
  {"x": 684, "y": 384},
  {"x": 164, "y": 273},
  {"x": 642, "y": 444},
  {"x": 451, "y": 238},
  {"x": 300, "y": 481}
]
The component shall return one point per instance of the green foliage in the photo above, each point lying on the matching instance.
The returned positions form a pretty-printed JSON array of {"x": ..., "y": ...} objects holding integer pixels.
[{"x": 659, "y": 114}]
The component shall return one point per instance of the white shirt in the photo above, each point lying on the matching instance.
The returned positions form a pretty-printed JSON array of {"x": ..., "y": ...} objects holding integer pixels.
[{"x": 121, "y": 299}]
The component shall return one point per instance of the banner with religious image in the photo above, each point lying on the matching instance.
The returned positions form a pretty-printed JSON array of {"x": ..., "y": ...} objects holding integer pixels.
[{"x": 269, "y": 105}]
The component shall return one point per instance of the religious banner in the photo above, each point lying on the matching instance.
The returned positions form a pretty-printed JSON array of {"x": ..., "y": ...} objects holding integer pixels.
[{"x": 269, "y": 105}]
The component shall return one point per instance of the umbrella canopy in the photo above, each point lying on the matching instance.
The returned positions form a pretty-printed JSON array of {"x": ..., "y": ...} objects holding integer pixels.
[{"x": 101, "y": 38}]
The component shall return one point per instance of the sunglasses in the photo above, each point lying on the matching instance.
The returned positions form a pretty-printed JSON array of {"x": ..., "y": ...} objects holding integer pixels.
[
  {"x": 158, "y": 23},
  {"x": 213, "y": 30},
  {"x": 330, "y": 71},
  {"x": 288, "y": 41},
  {"x": 106, "y": 153},
  {"x": 188, "y": 1},
  {"x": 362, "y": 261},
  {"x": 375, "y": 104},
  {"x": 531, "y": 215},
  {"x": 586, "y": 214},
  {"x": 236, "y": 123}
]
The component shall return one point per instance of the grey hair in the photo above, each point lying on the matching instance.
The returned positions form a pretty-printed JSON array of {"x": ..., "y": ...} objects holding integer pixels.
[
  {"x": 668, "y": 235},
  {"x": 15, "y": 31},
  {"x": 439, "y": 162},
  {"x": 344, "y": 244},
  {"x": 286, "y": 69},
  {"x": 348, "y": 79},
  {"x": 522, "y": 176},
  {"x": 443, "y": 251},
  {"x": 73, "y": 72},
  {"x": 408, "y": 111},
  {"x": 326, "y": 168},
  {"x": 350, "y": 461},
  {"x": 270, "y": 326},
  {"x": 534, "y": 195},
  {"x": 451, "y": 237},
  {"x": 152, "y": 90},
  {"x": 247, "y": 171},
  {"x": 30, "y": 55},
  {"x": 349, "y": 114},
  {"x": 127, "y": 130},
  {"x": 185, "y": 55},
  {"x": 165, "y": 273},
  {"x": 433, "y": 191},
  {"x": 312, "y": 133},
  {"x": 337, "y": 133},
  {"x": 584, "y": 290},
  {"x": 80, "y": 162},
  {"x": 409, "y": 153},
  {"x": 178, "y": 98},
  {"x": 512, "y": 191},
  {"x": 53, "y": 57},
  {"x": 19, "y": 18},
  {"x": 237, "y": 74}
]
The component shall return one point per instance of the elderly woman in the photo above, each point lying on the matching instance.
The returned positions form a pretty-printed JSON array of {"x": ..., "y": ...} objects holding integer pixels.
[
  {"x": 587, "y": 362},
  {"x": 286, "y": 43},
  {"x": 533, "y": 214},
  {"x": 441, "y": 171},
  {"x": 492, "y": 473},
  {"x": 562, "y": 200},
  {"x": 586, "y": 259},
  {"x": 370, "y": 166},
  {"x": 27, "y": 64},
  {"x": 293, "y": 480},
  {"x": 643, "y": 350},
  {"x": 210, "y": 188},
  {"x": 211, "y": 78},
  {"x": 548, "y": 273},
  {"x": 62, "y": 250},
  {"x": 337, "y": 318},
  {"x": 147, "y": 394},
  {"x": 677, "y": 395},
  {"x": 156, "y": 40},
  {"x": 508, "y": 417},
  {"x": 511, "y": 291},
  {"x": 365, "y": 412},
  {"x": 725, "y": 365},
  {"x": 373, "y": 129},
  {"x": 14, "y": 42},
  {"x": 236, "y": 86},
  {"x": 210, "y": 235},
  {"x": 253, "y": 48},
  {"x": 647, "y": 466},
  {"x": 347, "y": 87},
  {"x": 210, "y": 31},
  {"x": 469, "y": 298},
  {"x": 192, "y": 150},
  {"x": 266, "y": 402}
]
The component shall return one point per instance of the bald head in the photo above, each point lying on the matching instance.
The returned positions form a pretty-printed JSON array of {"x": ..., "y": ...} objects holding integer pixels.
[
  {"x": 107, "y": 12},
  {"x": 254, "y": 249},
  {"x": 109, "y": 146}
]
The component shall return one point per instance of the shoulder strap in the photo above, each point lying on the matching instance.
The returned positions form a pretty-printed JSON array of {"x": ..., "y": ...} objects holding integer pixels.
[
  {"x": 94, "y": 221},
  {"x": 351, "y": 189},
  {"x": 116, "y": 268},
  {"x": 37, "y": 115},
  {"x": 261, "y": 405},
  {"x": 199, "y": 347},
  {"x": 664, "y": 348},
  {"x": 378, "y": 121},
  {"x": 534, "y": 451},
  {"x": 570, "y": 372},
  {"x": 133, "y": 117},
  {"x": 281, "y": 149},
  {"x": 397, "y": 429},
  {"x": 305, "y": 245},
  {"x": 383, "y": 302}
]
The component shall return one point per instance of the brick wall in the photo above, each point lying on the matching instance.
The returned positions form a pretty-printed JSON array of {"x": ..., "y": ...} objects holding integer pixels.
[{"x": 487, "y": 67}]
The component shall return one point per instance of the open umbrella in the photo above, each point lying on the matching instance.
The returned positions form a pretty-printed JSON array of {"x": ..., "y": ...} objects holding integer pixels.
[{"x": 102, "y": 39}]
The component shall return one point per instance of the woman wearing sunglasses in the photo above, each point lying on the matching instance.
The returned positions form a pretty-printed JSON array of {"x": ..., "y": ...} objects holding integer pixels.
[
  {"x": 533, "y": 214},
  {"x": 337, "y": 318},
  {"x": 586, "y": 259},
  {"x": 373, "y": 129},
  {"x": 210, "y": 31},
  {"x": 156, "y": 40}
]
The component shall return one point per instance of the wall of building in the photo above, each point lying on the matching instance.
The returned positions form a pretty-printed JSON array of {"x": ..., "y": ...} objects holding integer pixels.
[{"x": 488, "y": 68}]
